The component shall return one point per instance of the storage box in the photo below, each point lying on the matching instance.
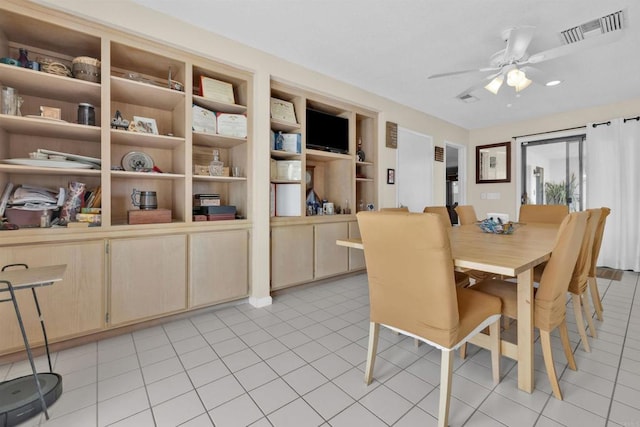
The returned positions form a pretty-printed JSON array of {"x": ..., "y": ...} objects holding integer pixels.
[
  {"x": 206, "y": 200},
  {"x": 150, "y": 216},
  {"x": 288, "y": 200},
  {"x": 26, "y": 217},
  {"x": 232, "y": 124},
  {"x": 289, "y": 169},
  {"x": 214, "y": 210}
]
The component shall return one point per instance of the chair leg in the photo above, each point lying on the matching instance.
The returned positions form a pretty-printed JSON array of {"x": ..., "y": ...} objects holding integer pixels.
[
  {"x": 494, "y": 334},
  {"x": 577, "y": 311},
  {"x": 595, "y": 296},
  {"x": 545, "y": 341},
  {"x": 463, "y": 351},
  {"x": 374, "y": 330},
  {"x": 587, "y": 311},
  {"x": 416, "y": 342},
  {"x": 446, "y": 371},
  {"x": 566, "y": 345}
]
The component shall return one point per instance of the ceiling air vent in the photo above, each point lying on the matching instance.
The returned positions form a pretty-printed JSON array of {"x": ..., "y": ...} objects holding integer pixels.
[
  {"x": 606, "y": 24},
  {"x": 468, "y": 98}
]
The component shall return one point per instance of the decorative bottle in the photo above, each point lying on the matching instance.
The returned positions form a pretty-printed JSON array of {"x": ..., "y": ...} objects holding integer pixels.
[
  {"x": 23, "y": 60},
  {"x": 216, "y": 166}
]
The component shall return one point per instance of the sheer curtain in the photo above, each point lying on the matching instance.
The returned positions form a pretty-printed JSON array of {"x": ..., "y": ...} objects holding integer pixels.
[{"x": 613, "y": 175}]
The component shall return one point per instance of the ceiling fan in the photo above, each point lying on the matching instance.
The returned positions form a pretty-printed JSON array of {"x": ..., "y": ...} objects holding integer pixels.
[{"x": 513, "y": 63}]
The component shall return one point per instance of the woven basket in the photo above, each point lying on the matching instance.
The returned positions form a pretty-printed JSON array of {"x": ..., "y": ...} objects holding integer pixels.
[{"x": 86, "y": 68}]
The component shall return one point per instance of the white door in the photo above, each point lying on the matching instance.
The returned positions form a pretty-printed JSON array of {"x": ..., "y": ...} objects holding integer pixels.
[{"x": 415, "y": 170}]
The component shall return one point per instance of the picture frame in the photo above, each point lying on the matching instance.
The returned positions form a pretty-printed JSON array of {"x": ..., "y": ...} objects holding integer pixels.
[
  {"x": 493, "y": 163},
  {"x": 391, "y": 176},
  {"x": 144, "y": 125},
  {"x": 283, "y": 110}
]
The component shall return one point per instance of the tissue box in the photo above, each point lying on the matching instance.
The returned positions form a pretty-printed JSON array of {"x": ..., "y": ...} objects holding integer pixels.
[{"x": 290, "y": 170}]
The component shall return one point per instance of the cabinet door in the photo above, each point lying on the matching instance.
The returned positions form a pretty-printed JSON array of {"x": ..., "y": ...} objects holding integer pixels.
[
  {"x": 330, "y": 259},
  {"x": 73, "y": 307},
  {"x": 218, "y": 263},
  {"x": 148, "y": 277},
  {"x": 291, "y": 255},
  {"x": 356, "y": 256}
]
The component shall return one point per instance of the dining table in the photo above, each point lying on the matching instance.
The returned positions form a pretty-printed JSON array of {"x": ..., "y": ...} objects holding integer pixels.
[{"x": 509, "y": 255}]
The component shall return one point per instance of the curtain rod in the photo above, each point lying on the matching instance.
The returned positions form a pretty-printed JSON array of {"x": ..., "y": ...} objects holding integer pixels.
[
  {"x": 632, "y": 118},
  {"x": 595, "y": 125},
  {"x": 551, "y": 131}
]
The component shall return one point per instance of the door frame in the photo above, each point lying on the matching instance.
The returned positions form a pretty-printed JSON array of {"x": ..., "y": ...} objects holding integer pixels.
[
  {"x": 568, "y": 133},
  {"x": 462, "y": 170}
]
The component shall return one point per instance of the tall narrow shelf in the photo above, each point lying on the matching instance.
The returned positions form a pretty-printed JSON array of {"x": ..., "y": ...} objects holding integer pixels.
[{"x": 233, "y": 149}]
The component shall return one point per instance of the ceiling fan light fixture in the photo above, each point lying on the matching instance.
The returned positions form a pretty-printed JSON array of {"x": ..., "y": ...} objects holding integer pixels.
[
  {"x": 494, "y": 85},
  {"x": 522, "y": 85},
  {"x": 516, "y": 77}
]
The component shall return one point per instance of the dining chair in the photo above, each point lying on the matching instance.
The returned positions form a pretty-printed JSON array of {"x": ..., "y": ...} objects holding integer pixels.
[
  {"x": 440, "y": 210},
  {"x": 400, "y": 209},
  {"x": 545, "y": 214},
  {"x": 550, "y": 296},
  {"x": 595, "y": 252},
  {"x": 460, "y": 277},
  {"x": 412, "y": 291},
  {"x": 579, "y": 283},
  {"x": 466, "y": 214}
]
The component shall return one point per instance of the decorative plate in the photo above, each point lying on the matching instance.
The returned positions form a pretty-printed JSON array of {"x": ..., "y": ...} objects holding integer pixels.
[{"x": 136, "y": 161}]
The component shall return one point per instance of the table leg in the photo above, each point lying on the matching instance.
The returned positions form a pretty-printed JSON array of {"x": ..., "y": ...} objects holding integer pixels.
[{"x": 525, "y": 331}]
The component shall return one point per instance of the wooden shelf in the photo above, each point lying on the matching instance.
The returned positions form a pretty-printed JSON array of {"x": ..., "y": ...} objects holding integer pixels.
[
  {"x": 326, "y": 156},
  {"x": 364, "y": 163},
  {"x": 281, "y": 125},
  {"x": 145, "y": 175},
  {"x": 137, "y": 93},
  {"x": 45, "y": 85},
  {"x": 279, "y": 154},
  {"x": 219, "y": 178},
  {"x": 215, "y": 140},
  {"x": 49, "y": 128},
  {"x": 285, "y": 181},
  {"x": 137, "y": 139},
  {"x": 32, "y": 170},
  {"x": 219, "y": 107}
]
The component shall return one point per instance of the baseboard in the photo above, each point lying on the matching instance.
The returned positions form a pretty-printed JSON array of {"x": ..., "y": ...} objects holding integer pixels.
[{"x": 260, "y": 302}]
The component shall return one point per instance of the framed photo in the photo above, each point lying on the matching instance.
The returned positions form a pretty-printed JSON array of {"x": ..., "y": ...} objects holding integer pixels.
[
  {"x": 143, "y": 125},
  {"x": 391, "y": 176},
  {"x": 282, "y": 110}
]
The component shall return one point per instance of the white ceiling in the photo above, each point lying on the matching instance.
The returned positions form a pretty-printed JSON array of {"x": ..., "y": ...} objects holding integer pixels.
[{"x": 389, "y": 47}]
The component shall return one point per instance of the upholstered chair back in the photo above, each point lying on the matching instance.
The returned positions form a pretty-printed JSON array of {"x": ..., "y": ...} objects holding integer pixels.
[
  {"x": 597, "y": 240},
  {"x": 466, "y": 214},
  {"x": 550, "y": 300},
  {"x": 545, "y": 214},
  {"x": 440, "y": 210},
  {"x": 578, "y": 283},
  {"x": 410, "y": 272}
]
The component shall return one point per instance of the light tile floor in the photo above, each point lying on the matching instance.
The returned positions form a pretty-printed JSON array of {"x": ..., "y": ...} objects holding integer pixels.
[{"x": 300, "y": 362}]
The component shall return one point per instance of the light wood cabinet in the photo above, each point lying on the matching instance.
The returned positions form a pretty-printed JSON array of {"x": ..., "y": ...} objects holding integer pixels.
[
  {"x": 218, "y": 264},
  {"x": 356, "y": 256},
  {"x": 291, "y": 255},
  {"x": 72, "y": 307},
  {"x": 148, "y": 277},
  {"x": 330, "y": 259}
]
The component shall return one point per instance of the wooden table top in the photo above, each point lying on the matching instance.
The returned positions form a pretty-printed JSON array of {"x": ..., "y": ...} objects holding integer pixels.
[
  {"x": 30, "y": 277},
  {"x": 529, "y": 245}
]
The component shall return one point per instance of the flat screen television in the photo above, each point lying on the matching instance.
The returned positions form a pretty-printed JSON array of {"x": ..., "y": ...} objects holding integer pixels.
[{"x": 327, "y": 132}]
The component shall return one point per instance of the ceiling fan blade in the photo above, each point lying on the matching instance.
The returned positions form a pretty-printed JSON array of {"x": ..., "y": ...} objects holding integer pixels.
[
  {"x": 568, "y": 49},
  {"x": 518, "y": 42},
  {"x": 455, "y": 73}
]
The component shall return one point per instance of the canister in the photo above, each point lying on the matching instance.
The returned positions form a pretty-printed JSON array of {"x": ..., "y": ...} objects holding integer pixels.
[{"x": 86, "y": 114}]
